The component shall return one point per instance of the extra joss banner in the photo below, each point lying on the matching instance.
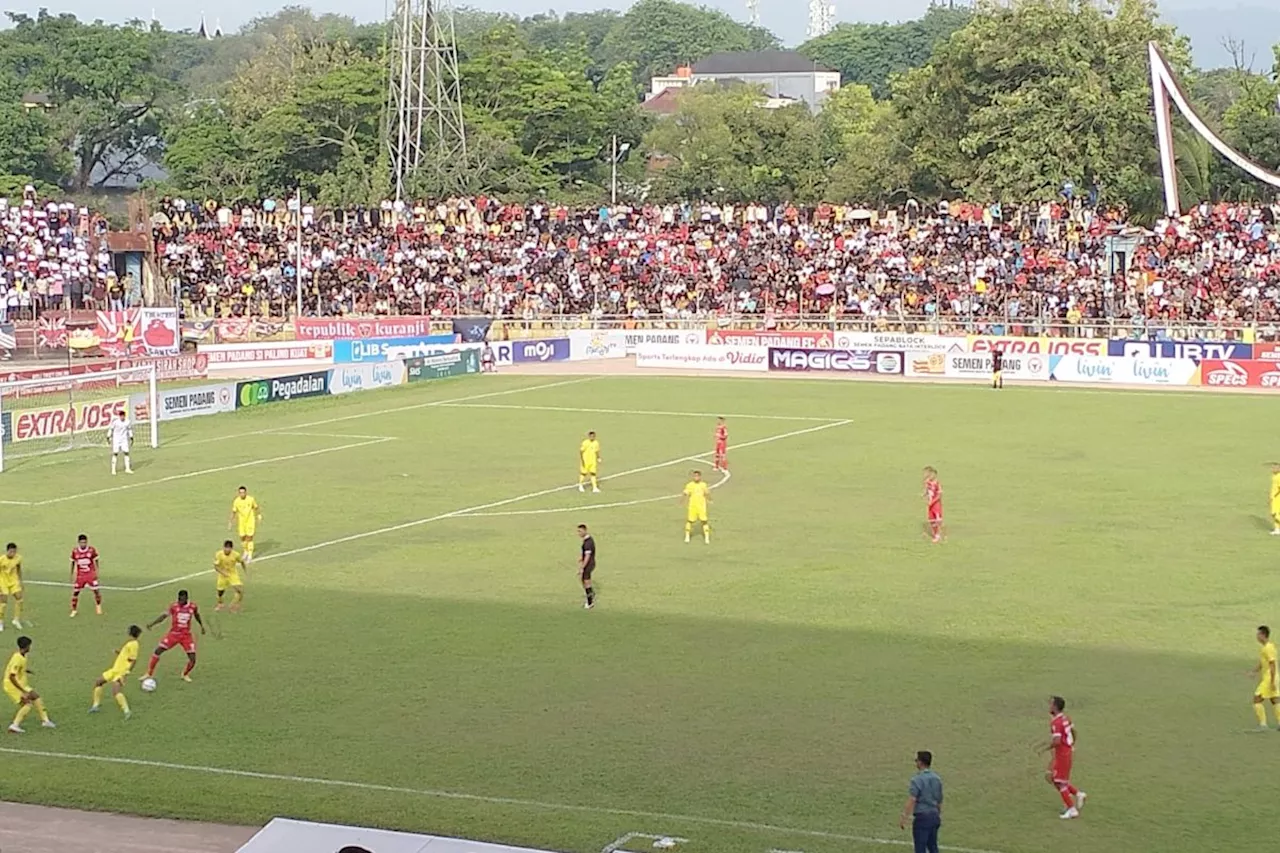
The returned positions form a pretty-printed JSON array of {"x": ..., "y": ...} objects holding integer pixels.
[
  {"x": 31, "y": 424},
  {"x": 1037, "y": 346},
  {"x": 875, "y": 362}
]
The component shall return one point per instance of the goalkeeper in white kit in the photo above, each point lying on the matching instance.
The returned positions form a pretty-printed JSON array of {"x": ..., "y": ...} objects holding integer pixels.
[{"x": 121, "y": 434}]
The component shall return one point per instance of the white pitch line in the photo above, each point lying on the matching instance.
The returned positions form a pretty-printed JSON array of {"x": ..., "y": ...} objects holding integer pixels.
[
  {"x": 613, "y": 505},
  {"x": 390, "y": 411},
  {"x": 744, "y": 825},
  {"x": 175, "y": 477},
  {"x": 337, "y": 435},
  {"x": 458, "y": 513},
  {"x": 16, "y": 503},
  {"x": 735, "y": 416}
]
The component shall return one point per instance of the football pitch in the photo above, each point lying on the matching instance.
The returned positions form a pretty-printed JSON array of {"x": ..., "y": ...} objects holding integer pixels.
[{"x": 414, "y": 654}]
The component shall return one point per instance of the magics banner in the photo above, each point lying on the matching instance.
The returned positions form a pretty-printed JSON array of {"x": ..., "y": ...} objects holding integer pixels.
[
  {"x": 703, "y": 357},
  {"x": 877, "y": 362}
]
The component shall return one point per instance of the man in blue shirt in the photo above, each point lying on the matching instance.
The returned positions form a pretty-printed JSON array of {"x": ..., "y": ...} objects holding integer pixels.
[{"x": 924, "y": 805}]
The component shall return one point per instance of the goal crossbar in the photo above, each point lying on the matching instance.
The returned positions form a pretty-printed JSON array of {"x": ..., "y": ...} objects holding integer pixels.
[{"x": 57, "y": 413}]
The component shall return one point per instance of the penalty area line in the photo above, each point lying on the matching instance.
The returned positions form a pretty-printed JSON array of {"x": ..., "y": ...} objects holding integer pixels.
[
  {"x": 479, "y": 508},
  {"x": 744, "y": 825},
  {"x": 570, "y": 409}
]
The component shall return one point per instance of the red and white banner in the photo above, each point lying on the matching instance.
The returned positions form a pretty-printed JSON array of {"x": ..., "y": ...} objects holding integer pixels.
[
  {"x": 268, "y": 354},
  {"x": 700, "y": 357},
  {"x": 51, "y": 332},
  {"x": 1268, "y": 351},
  {"x": 1037, "y": 346},
  {"x": 1255, "y": 373},
  {"x": 358, "y": 328},
  {"x": 752, "y": 338},
  {"x": 172, "y": 367},
  {"x": 138, "y": 331},
  {"x": 65, "y": 420}
]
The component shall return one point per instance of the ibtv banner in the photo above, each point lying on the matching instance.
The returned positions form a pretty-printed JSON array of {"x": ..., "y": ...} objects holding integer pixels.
[{"x": 1222, "y": 350}]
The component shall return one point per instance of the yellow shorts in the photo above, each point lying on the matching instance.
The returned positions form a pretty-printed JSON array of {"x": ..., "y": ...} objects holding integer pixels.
[
  {"x": 1266, "y": 690},
  {"x": 113, "y": 675},
  {"x": 13, "y": 693},
  {"x": 225, "y": 582},
  {"x": 588, "y": 469},
  {"x": 698, "y": 514},
  {"x": 247, "y": 528},
  {"x": 1275, "y": 513},
  {"x": 10, "y": 586}
]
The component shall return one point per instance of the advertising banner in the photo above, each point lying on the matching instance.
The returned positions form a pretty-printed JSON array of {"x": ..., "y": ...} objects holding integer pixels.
[
  {"x": 587, "y": 344},
  {"x": 1217, "y": 373},
  {"x": 1224, "y": 350},
  {"x": 73, "y": 418},
  {"x": 1124, "y": 371},
  {"x": 235, "y": 330},
  {"x": 663, "y": 337},
  {"x": 352, "y": 328},
  {"x": 268, "y": 354},
  {"x": 547, "y": 349},
  {"x": 924, "y": 365},
  {"x": 875, "y": 362},
  {"x": 472, "y": 330},
  {"x": 977, "y": 365},
  {"x": 382, "y": 349},
  {"x": 173, "y": 367},
  {"x": 441, "y": 365},
  {"x": 896, "y": 341},
  {"x": 284, "y": 388},
  {"x": 186, "y": 402},
  {"x": 703, "y": 357},
  {"x": 504, "y": 353},
  {"x": 363, "y": 377},
  {"x": 138, "y": 331},
  {"x": 816, "y": 339},
  {"x": 1037, "y": 346},
  {"x": 1268, "y": 351}
]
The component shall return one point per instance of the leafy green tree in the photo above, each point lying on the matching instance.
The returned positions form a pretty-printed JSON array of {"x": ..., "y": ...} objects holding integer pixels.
[
  {"x": 870, "y": 54},
  {"x": 660, "y": 35},
  {"x": 1036, "y": 93},
  {"x": 105, "y": 82}
]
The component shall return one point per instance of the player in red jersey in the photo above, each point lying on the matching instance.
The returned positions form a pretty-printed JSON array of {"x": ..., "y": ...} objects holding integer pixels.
[
  {"x": 84, "y": 573},
  {"x": 1062, "y": 743},
  {"x": 722, "y": 445},
  {"x": 933, "y": 500},
  {"x": 179, "y": 614}
]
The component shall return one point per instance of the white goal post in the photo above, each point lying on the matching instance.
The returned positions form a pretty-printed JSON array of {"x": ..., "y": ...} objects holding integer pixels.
[{"x": 59, "y": 413}]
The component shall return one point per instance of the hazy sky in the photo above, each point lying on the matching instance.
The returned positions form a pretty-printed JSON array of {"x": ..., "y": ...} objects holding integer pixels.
[{"x": 1208, "y": 22}]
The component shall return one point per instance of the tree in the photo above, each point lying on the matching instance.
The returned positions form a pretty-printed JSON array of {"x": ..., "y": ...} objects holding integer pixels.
[
  {"x": 105, "y": 83},
  {"x": 660, "y": 35},
  {"x": 1029, "y": 96},
  {"x": 870, "y": 54}
]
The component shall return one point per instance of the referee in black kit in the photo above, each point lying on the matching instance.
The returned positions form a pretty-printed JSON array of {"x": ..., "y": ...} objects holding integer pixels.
[
  {"x": 587, "y": 564},
  {"x": 997, "y": 369},
  {"x": 924, "y": 805}
]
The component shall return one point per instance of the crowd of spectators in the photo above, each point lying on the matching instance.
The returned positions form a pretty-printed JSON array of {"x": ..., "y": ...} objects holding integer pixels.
[
  {"x": 1061, "y": 262},
  {"x": 49, "y": 257}
]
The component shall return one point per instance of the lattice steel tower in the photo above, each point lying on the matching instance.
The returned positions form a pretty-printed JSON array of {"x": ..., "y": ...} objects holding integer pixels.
[
  {"x": 424, "y": 105},
  {"x": 822, "y": 18},
  {"x": 753, "y": 12}
]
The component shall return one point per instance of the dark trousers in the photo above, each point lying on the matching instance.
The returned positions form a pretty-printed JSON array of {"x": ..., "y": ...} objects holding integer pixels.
[{"x": 924, "y": 832}]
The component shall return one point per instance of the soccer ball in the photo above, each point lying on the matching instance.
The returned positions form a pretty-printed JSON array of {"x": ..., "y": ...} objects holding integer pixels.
[{"x": 148, "y": 685}]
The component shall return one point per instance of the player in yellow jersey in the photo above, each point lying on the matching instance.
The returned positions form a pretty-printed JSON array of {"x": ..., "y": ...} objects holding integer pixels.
[
  {"x": 589, "y": 463},
  {"x": 1275, "y": 498},
  {"x": 11, "y": 584},
  {"x": 18, "y": 688},
  {"x": 227, "y": 563},
  {"x": 1268, "y": 679},
  {"x": 126, "y": 657},
  {"x": 245, "y": 514},
  {"x": 697, "y": 494}
]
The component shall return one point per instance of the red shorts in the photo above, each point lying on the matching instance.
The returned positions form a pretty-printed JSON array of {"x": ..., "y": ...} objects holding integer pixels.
[
  {"x": 175, "y": 638},
  {"x": 83, "y": 581},
  {"x": 1061, "y": 768},
  {"x": 935, "y": 512},
  {"x": 721, "y": 448}
]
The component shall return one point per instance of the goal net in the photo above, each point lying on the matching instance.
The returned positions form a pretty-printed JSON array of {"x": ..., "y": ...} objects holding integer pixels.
[{"x": 68, "y": 412}]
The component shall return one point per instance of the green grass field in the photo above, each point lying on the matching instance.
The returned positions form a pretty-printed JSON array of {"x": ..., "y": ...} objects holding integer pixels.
[{"x": 414, "y": 624}]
